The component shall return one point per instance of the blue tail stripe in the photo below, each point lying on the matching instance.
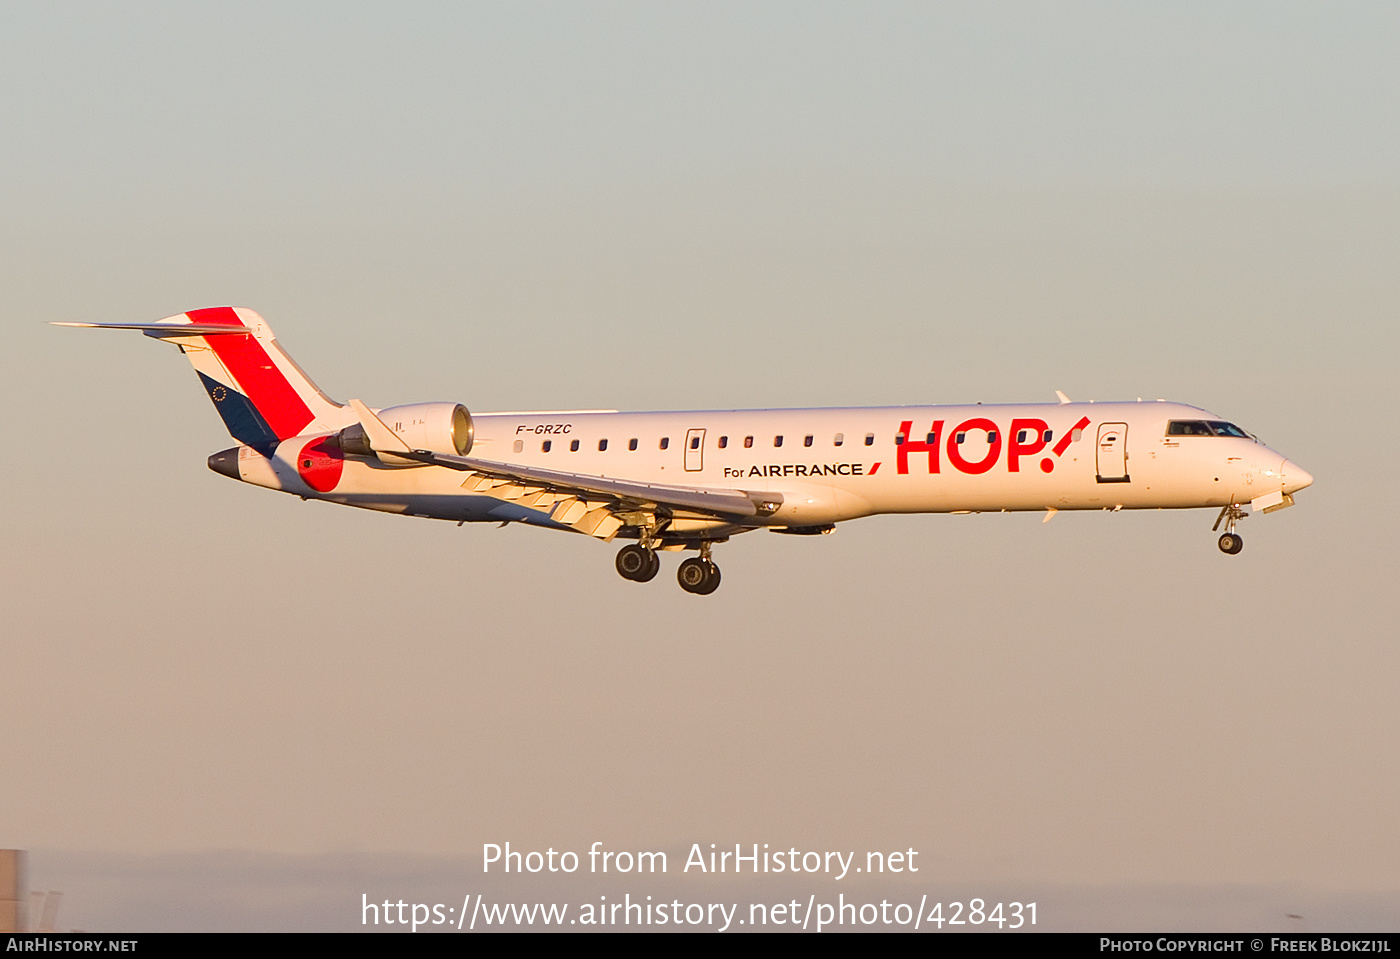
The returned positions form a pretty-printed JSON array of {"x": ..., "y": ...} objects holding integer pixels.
[{"x": 242, "y": 418}]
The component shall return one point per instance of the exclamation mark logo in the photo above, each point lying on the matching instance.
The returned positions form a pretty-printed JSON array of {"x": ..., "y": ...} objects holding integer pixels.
[{"x": 1047, "y": 464}]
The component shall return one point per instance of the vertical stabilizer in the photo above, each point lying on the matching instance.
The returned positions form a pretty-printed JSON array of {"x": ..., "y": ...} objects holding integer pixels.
[{"x": 259, "y": 391}]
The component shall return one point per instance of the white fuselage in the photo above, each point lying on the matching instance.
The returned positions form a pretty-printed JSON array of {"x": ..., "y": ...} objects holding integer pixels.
[
  {"x": 831, "y": 465},
  {"x": 688, "y": 480}
]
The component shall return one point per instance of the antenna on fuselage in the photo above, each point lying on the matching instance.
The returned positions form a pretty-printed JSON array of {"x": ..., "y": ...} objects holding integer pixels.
[{"x": 1063, "y": 399}]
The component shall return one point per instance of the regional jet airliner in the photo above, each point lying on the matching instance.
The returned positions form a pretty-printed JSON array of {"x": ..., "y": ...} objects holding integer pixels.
[{"x": 691, "y": 480}]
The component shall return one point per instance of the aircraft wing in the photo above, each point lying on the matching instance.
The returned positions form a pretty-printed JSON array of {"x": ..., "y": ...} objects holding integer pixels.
[
  {"x": 629, "y": 494},
  {"x": 588, "y": 503}
]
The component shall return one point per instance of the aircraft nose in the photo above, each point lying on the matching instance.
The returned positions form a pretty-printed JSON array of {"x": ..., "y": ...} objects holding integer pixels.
[{"x": 1294, "y": 477}]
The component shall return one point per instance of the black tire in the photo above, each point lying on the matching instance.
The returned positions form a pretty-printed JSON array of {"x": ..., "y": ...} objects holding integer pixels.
[
  {"x": 712, "y": 580},
  {"x": 636, "y": 563},
  {"x": 653, "y": 567},
  {"x": 1231, "y": 543},
  {"x": 693, "y": 575}
]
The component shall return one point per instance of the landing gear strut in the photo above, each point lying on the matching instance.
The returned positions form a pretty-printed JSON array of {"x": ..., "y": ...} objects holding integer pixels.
[
  {"x": 1230, "y": 541},
  {"x": 638, "y": 563}
]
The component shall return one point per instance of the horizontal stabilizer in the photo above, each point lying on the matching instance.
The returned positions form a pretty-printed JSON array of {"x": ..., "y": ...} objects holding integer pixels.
[
  {"x": 262, "y": 396},
  {"x": 164, "y": 329}
]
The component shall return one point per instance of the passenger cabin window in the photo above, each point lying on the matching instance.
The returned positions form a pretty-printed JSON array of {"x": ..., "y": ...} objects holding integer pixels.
[
  {"x": 869, "y": 439},
  {"x": 991, "y": 436},
  {"x": 960, "y": 437},
  {"x": 602, "y": 446},
  {"x": 931, "y": 439},
  {"x": 748, "y": 442},
  {"x": 632, "y": 443},
  {"x": 665, "y": 442},
  {"x": 723, "y": 442},
  {"x": 838, "y": 439},
  {"x": 778, "y": 440},
  {"x": 1049, "y": 435},
  {"x": 1021, "y": 436},
  {"x": 899, "y": 439},
  {"x": 807, "y": 440},
  {"x": 544, "y": 447},
  {"x": 519, "y": 445},
  {"x": 573, "y": 447}
]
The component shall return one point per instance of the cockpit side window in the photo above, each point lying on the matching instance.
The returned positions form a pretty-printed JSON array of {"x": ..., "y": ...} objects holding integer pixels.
[
  {"x": 1205, "y": 428},
  {"x": 1227, "y": 429}
]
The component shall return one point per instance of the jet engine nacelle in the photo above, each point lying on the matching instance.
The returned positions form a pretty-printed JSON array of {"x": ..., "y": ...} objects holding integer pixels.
[{"x": 445, "y": 428}]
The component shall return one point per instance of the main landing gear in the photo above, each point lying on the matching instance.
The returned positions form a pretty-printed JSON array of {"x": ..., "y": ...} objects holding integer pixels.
[
  {"x": 1230, "y": 541},
  {"x": 698, "y": 575},
  {"x": 638, "y": 563}
]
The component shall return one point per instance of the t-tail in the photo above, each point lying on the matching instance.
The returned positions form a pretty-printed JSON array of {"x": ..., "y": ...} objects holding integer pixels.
[{"x": 259, "y": 391}]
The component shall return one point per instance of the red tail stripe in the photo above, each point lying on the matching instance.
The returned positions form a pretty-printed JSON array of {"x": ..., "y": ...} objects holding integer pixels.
[{"x": 258, "y": 377}]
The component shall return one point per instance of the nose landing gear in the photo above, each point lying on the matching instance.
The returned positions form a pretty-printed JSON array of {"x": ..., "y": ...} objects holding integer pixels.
[{"x": 1230, "y": 542}]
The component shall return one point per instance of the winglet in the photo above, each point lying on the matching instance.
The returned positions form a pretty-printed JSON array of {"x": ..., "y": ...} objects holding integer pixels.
[
  {"x": 1063, "y": 399},
  {"x": 381, "y": 438}
]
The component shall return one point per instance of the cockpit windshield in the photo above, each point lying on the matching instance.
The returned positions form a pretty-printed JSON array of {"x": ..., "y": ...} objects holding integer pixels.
[{"x": 1205, "y": 428}]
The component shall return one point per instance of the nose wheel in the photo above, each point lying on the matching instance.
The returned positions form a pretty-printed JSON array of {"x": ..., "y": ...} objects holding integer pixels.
[
  {"x": 1230, "y": 542},
  {"x": 638, "y": 563}
]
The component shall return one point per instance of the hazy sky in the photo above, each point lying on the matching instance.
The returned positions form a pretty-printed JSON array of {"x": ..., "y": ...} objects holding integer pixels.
[{"x": 644, "y": 206}]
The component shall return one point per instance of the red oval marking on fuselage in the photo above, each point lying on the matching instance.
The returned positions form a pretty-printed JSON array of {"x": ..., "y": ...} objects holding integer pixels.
[
  {"x": 993, "y": 446},
  {"x": 320, "y": 465}
]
